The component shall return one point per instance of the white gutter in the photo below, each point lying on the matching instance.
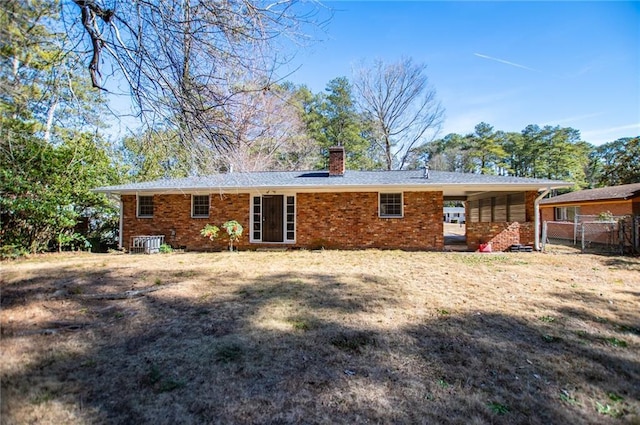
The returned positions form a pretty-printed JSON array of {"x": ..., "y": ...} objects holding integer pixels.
[
  {"x": 536, "y": 210},
  {"x": 464, "y": 189}
]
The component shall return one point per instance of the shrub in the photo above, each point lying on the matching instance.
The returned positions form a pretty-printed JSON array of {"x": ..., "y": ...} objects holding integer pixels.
[
  {"x": 11, "y": 252},
  {"x": 234, "y": 230},
  {"x": 165, "y": 249},
  {"x": 605, "y": 216},
  {"x": 210, "y": 231}
]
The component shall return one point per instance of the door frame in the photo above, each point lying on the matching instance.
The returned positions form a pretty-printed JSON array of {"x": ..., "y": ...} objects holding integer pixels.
[{"x": 285, "y": 231}]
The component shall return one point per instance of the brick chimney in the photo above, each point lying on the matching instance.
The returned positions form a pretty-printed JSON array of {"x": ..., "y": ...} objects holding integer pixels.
[{"x": 336, "y": 161}]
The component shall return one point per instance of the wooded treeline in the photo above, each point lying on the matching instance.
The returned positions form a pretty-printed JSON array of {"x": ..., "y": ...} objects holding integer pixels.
[
  {"x": 55, "y": 144},
  {"x": 540, "y": 152}
]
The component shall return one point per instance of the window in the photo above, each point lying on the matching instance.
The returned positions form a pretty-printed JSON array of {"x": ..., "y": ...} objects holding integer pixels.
[
  {"x": 200, "y": 206},
  {"x": 566, "y": 213},
  {"x": 257, "y": 218},
  {"x": 145, "y": 206},
  {"x": 390, "y": 205},
  {"x": 291, "y": 218}
]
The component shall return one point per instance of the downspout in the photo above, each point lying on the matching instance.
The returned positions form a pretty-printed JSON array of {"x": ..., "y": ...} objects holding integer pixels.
[
  {"x": 121, "y": 224},
  {"x": 118, "y": 198},
  {"x": 536, "y": 215}
]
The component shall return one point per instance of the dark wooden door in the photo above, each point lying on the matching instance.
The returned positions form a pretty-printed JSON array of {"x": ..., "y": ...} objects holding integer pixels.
[{"x": 272, "y": 218}]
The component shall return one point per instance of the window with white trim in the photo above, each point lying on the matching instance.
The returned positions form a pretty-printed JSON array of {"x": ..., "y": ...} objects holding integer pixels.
[
  {"x": 290, "y": 218},
  {"x": 390, "y": 205},
  {"x": 566, "y": 213},
  {"x": 257, "y": 218},
  {"x": 200, "y": 206},
  {"x": 145, "y": 206}
]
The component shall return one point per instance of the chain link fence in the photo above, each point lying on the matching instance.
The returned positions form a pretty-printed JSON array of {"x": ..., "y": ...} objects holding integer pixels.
[{"x": 595, "y": 234}]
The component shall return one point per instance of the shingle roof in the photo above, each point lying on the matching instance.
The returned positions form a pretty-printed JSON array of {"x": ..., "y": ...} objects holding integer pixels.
[
  {"x": 321, "y": 180},
  {"x": 622, "y": 192}
]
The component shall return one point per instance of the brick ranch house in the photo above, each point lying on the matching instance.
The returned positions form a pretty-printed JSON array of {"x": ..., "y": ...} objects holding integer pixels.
[
  {"x": 337, "y": 208},
  {"x": 618, "y": 200}
]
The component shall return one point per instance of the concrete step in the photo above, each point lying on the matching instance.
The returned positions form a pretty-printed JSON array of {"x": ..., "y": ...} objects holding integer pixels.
[{"x": 456, "y": 248}]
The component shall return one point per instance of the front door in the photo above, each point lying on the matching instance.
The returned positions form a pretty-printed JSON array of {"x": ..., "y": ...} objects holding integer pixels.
[{"x": 272, "y": 218}]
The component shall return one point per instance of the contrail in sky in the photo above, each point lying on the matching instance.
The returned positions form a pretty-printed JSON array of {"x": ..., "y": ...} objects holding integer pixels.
[{"x": 517, "y": 65}]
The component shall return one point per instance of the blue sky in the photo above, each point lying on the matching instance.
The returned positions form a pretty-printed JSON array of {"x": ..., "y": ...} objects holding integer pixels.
[{"x": 510, "y": 64}]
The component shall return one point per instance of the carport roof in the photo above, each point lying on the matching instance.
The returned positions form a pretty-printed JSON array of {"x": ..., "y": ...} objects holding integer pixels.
[{"x": 452, "y": 184}]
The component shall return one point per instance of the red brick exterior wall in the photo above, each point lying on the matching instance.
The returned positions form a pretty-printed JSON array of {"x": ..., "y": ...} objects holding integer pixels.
[
  {"x": 546, "y": 213},
  {"x": 330, "y": 220},
  {"x": 173, "y": 212},
  {"x": 530, "y": 205},
  {"x": 350, "y": 220},
  {"x": 501, "y": 235},
  {"x": 618, "y": 208},
  {"x": 342, "y": 220}
]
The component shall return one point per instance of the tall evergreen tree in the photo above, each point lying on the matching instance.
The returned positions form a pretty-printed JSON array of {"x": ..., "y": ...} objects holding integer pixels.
[
  {"x": 619, "y": 162},
  {"x": 450, "y": 153},
  {"x": 338, "y": 123},
  {"x": 486, "y": 146}
]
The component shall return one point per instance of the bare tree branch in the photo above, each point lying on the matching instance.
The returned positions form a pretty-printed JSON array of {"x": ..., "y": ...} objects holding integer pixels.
[
  {"x": 402, "y": 103},
  {"x": 185, "y": 60}
]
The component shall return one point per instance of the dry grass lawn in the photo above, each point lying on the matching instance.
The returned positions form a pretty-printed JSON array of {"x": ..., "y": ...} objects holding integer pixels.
[{"x": 321, "y": 338}]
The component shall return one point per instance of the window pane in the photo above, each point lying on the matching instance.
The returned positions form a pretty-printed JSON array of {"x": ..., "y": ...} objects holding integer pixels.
[
  {"x": 257, "y": 218},
  {"x": 291, "y": 218},
  {"x": 200, "y": 206},
  {"x": 145, "y": 206},
  {"x": 391, "y": 204}
]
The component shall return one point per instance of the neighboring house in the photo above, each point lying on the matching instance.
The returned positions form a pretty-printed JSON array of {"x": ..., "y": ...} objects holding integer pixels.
[
  {"x": 332, "y": 209},
  {"x": 454, "y": 214},
  {"x": 617, "y": 200}
]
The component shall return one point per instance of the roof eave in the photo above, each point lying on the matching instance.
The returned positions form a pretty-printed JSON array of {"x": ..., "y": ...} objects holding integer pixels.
[{"x": 482, "y": 187}]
